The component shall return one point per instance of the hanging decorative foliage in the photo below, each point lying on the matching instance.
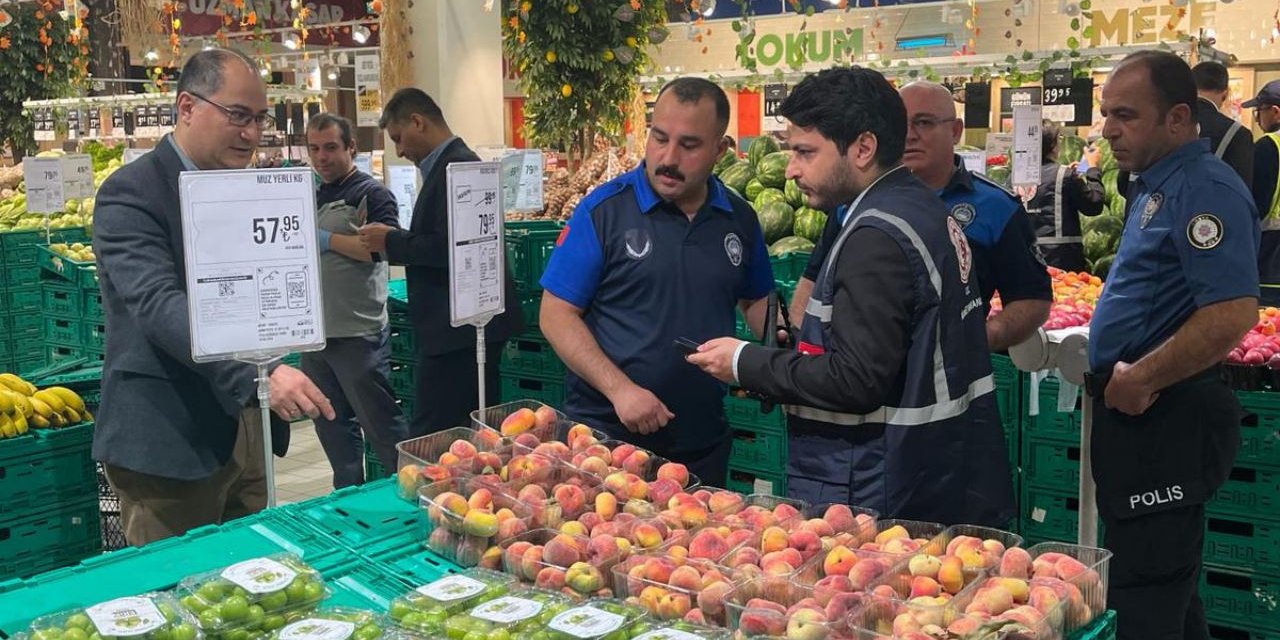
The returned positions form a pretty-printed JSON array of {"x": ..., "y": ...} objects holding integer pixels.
[
  {"x": 44, "y": 58},
  {"x": 578, "y": 61}
]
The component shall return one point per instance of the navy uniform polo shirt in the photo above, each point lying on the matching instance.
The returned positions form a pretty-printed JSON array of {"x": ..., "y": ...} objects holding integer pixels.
[
  {"x": 1190, "y": 240},
  {"x": 644, "y": 275},
  {"x": 1005, "y": 255}
]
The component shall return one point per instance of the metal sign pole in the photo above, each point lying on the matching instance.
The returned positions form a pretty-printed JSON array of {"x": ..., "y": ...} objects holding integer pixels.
[{"x": 264, "y": 405}]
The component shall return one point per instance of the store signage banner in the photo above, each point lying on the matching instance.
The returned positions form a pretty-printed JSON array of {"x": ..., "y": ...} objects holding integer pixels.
[
  {"x": 368, "y": 89},
  {"x": 204, "y": 18}
]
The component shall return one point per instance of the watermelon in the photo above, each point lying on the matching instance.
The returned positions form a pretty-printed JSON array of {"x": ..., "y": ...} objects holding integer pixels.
[
  {"x": 1109, "y": 188},
  {"x": 761, "y": 146},
  {"x": 737, "y": 176},
  {"x": 727, "y": 159},
  {"x": 1105, "y": 224},
  {"x": 795, "y": 197},
  {"x": 790, "y": 244},
  {"x": 1096, "y": 245},
  {"x": 766, "y": 196},
  {"x": 809, "y": 223},
  {"x": 776, "y": 220},
  {"x": 999, "y": 175},
  {"x": 1106, "y": 160},
  {"x": 753, "y": 189},
  {"x": 772, "y": 170},
  {"x": 1070, "y": 149},
  {"x": 1102, "y": 266}
]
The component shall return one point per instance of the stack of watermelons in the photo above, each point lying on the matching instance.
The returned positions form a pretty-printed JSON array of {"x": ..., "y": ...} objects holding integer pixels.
[
  {"x": 761, "y": 178},
  {"x": 1102, "y": 232}
]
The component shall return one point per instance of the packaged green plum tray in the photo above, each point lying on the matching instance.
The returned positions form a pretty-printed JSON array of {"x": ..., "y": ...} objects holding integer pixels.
[
  {"x": 337, "y": 623},
  {"x": 424, "y": 610},
  {"x": 149, "y": 616},
  {"x": 250, "y": 600}
]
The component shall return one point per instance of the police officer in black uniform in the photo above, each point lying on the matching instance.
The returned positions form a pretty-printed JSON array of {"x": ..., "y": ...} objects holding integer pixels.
[
  {"x": 889, "y": 388},
  {"x": 1182, "y": 292},
  {"x": 1060, "y": 198}
]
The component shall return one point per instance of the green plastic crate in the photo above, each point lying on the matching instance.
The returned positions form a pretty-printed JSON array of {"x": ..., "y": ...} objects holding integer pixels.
[
  {"x": 1247, "y": 492},
  {"x": 548, "y": 391},
  {"x": 46, "y": 468},
  {"x": 401, "y": 379},
  {"x": 531, "y": 308},
  {"x": 57, "y": 537},
  {"x": 17, "y": 276},
  {"x": 81, "y": 274},
  {"x": 24, "y": 300},
  {"x": 366, "y": 585},
  {"x": 1250, "y": 600},
  {"x": 1049, "y": 422},
  {"x": 1102, "y": 628},
  {"x": 358, "y": 517},
  {"x": 20, "y": 246},
  {"x": 5, "y": 348},
  {"x": 95, "y": 335},
  {"x": 758, "y": 447},
  {"x": 372, "y": 466},
  {"x": 1226, "y": 631},
  {"x": 529, "y": 354},
  {"x": 1050, "y": 465},
  {"x": 55, "y": 353},
  {"x": 71, "y": 235},
  {"x": 415, "y": 565},
  {"x": 29, "y": 363},
  {"x": 529, "y": 246},
  {"x": 1260, "y": 440},
  {"x": 1048, "y": 515},
  {"x": 1008, "y": 381},
  {"x": 740, "y": 329},
  {"x": 162, "y": 564},
  {"x": 403, "y": 347},
  {"x": 93, "y": 305},
  {"x": 25, "y": 325},
  {"x": 62, "y": 300},
  {"x": 748, "y": 481},
  {"x": 789, "y": 266},
  {"x": 1233, "y": 541},
  {"x": 746, "y": 412},
  {"x": 64, "y": 332}
]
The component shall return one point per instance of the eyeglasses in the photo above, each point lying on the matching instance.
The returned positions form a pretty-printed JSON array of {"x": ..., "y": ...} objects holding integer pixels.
[
  {"x": 926, "y": 125},
  {"x": 241, "y": 117}
]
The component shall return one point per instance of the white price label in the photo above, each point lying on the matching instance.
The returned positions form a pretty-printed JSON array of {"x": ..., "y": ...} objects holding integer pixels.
[
  {"x": 507, "y": 609},
  {"x": 1027, "y": 128},
  {"x": 402, "y": 181},
  {"x": 77, "y": 176},
  {"x": 252, "y": 265},
  {"x": 586, "y": 622},
  {"x": 668, "y": 634},
  {"x": 133, "y": 154},
  {"x": 975, "y": 161},
  {"x": 125, "y": 617},
  {"x": 522, "y": 180},
  {"x": 451, "y": 588},
  {"x": 260, "y": 575},
  {"x": 477, "y": 263},
  {"x": 44, "y": 184},
  {"x": 318, "y": 629}
]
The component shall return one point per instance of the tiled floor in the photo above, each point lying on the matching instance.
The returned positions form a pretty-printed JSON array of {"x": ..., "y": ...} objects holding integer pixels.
[{"x": 304, "y": 472}]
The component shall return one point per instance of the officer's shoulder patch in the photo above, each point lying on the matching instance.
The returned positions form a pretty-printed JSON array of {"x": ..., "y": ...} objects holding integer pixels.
[
  {"x": 1205, "y": 231},
  {"x": 963, "y": 213},
  {"x": 989, "y": 182}
]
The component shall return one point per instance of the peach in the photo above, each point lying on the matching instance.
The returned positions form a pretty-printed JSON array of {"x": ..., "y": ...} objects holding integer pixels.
[
  {"x": 584, "y": 578},
  {"x": 620, "y": 453},
  {"x": 951, "y": 575},
  {"x": 678, "y": 553},
  {"x": 829, "y": 586},
  {"x": 1069, "y": 568},
  {"x": 593, "y": 519},
  {"x": 673, "y": 605},
  {"x": 531, "y": 562},
  {"x": 773, "y": 539},
  {"x": 436, "y": 472},
  {"x": 766, "y": 605},
  {"x": 646, "y": 535},
  {"x": 841, "y": 604},
  {"x": 572, "y": 500},
  {"x": 1016, "y": 563},
  {"x": 470, "y": 551},
  {"x": 924, "y": 565},
  {"x": 743, "y": 556},
  {"x": 518, "y": 422},
  {"x": 755, "y": 622},
  {"x": 544, "y": 417},
  {"x": 964, "y": 626},
  {"x": 492, "y": 559},
  {"x": 511, "y": 527},
  {"x": 480, "y": 523},
  {"x": 562, "y": 551},
  {"x": 785, "y": 511},
  {"x": 724, "y": 502},
  {"x": 554, "y": 450},
  {"x": 661, "y": 490},
  {"x": 449, "y": 459},
  {"x": 659, "y": 569},
  {"x": 900, "y": 546},
  {"x": 962, "y": 542},
  {"x": 807, "y": 624},
  {"x": 606, "y": 505},
  {"x": 696, "y": 616},
  {"x": 602, "y": 548},
  {"x": 884, "y": 591},
  {"x": 481, "y": 499},
  {"x": 674, "y": 471},
  {"x": 819, "y": 527},
  {"x": 991, "y": 601},
  {"x": 488, "y": 438},
  {"x": 840, "y": 517},
  {"x": 924, "y": 586},
  {"x": 527, "y": 441},
  {"x": 637, "y": 489},
  {"x": 739, "y": 536},
  {"x": 839, "y": 561},
  {"x": 617, "y": 483},
  {"x": 462, "y": 449},
  {"x": 594, "y": 466},
  {"x": 865, "y": 571},
  {"x": 550, "y": 578},
  {"x": 574, "y": 528},
  {"x": 708, "y": 544},
  {"x": 443, "y": 541},
  {"x": 453, "y": 503},
  {"x": 895, "y": 532},
  {"x": 686, "y": 577},
  {"x": 788, "y": 555},
  {"x": 806, "y": 542}
]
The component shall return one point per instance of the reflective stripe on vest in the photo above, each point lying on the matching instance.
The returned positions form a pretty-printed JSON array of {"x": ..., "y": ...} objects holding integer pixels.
[
  {"x": 1057, "y": 237},
  {"x": 818, "y": 310},
  {"x": 901, "y": 416},
  {"x": 1226, "y": 140}
]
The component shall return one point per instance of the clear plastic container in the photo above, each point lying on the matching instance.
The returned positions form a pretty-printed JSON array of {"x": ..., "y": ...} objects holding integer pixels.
[
  {"x": 595, "y": 619},
  {"x": 876, "y": 617},
  {"x": 547, "y": 474},
  {"x": 337, "y": 623},
  {"x": 1091, "y": 581},
  {"x": 517, "y": 613},
  {"x": 252, "y": 597},
  {"x": 859, "y": 566},
  {"x": 463, "y": 518},
  {"x": 668, "y": 588},
  {"x": 680, "y": 630},
  {"x": 919, "y": 537},
  {"x": 423, "y": 611},
  {"x": 149, "y": 616},
  {"x": 645, "y": 466},
  {"x": 454, "y": 452},
  {"x": 761, "y": 510},
  {"x": 575, "y": 565},
  {"x": 986, "y": 545},
  {"x": 845, "y": 524},
  {"x": 764, "y": 607},
  {"x": 492, "y": 418}
]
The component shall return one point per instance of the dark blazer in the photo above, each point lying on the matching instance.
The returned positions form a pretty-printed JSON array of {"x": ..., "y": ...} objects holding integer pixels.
[
  {"x": 1214, "y": 125},
  {"x": 423, "y": 249},
  {"x": 161, "y": 413}
]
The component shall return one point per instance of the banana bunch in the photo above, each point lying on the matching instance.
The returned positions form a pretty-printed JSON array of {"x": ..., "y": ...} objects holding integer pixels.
[{"x": 22, "y": 407}]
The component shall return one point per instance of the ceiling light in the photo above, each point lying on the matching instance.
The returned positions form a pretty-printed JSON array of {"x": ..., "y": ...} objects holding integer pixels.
[{"x": 360, "y": 34}]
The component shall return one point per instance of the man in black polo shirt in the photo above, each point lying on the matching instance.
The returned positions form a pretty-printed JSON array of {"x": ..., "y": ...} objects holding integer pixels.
[{"x": 662, "y": 252}]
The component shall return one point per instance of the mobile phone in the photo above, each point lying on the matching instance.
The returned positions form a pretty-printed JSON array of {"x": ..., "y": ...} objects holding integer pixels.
[{"x": 686, "y": 345}]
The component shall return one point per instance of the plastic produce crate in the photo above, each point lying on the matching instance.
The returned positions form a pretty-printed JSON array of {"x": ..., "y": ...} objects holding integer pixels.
[
  {"x": 44, "y": 469},
  {"x": 372, "y": 466},
  {"x": 64, "y": 269},
  {"x": 1235, "y": 541},
  {"x": 359, "y": 517},
  {"x": 16, "y": 276},
  {"x": 1249, "y": 600},
  {"x": 25, "y": 300},
  {"x": 414, "y": 564},
  {"x": 1009, "y": 381},
  {"x": 1226, "y": 631},
  {"x": 1260, "y": 438},
  {"x": 62, "y": 535},
  {"x": 95, "y": 334},
  {"x": 529, "y": 246},
  {"x": 749, "y": 481},
  {"x": 93, "y": 305},
  {"x": 1102, "y": 628},
  {"x": 789, "y": 266},
  {"x": 397, "y": 296},
  {"x": 1049, "y": 464},
  {"x": 366, "y": 584},
  {"x": 22, "y": 325},
  {"x": 758, "y": 447},
  {"x": 401, "y": 379},
  {"x": 20, "y": 246},
  {"x": 746, "y": 412},
  {"x": 531, "y": 308},
  {"x": 57, "y": 353},
  {"x": 403, "y": 347},
  {"x": 529, "y": 354},
  {"x": 1048, "y": 422},
  {"x": 1247, "y": 492},
  {"x": 1048, "y": 515},
  {"x": 62, "y": 300},
  {"x": 546, "y": 390},
  {"x": 29, "y": 363},
  {"x": 63, "y": 332}
]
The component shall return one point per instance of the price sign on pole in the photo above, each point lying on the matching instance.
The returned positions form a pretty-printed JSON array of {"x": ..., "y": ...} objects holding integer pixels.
[
  {"x": 253, "y": 283},
  {"x": 42, "y": 125},
  {"x": 1027, "y": 131},
  {"x": 522, "y": 180},
  {"x": 73, "y": 124},
  {"x": 476, "y": 259},
  {"x": 402, "y": 181},
  {"x": 44, "y": 184},
  {"x": 771, "y": 119},
  {"x": 95, "y": 122},
  {"x": 77, "y": 175}
]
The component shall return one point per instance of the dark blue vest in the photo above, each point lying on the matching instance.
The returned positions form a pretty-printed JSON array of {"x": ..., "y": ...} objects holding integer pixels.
[{"x": 938, "y": 453}]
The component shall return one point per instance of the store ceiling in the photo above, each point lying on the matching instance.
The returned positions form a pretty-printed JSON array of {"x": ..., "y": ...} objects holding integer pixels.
[{"x": 724, "y": 9}]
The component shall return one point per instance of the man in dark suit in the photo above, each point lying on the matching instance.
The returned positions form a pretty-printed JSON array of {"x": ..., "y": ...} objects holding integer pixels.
[
  {"x": 1228, "y": 139},
  {"x": 445, "y": 378},
  {"x": 181, "y": 442}
]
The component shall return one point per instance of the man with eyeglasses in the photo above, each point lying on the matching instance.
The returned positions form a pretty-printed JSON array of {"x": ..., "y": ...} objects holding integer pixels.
[
  {"x": 1266, "y": 187},
  {"x": 181, "y": 442}
]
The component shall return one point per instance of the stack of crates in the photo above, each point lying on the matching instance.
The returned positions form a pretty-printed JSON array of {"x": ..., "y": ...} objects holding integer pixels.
[
  {"x": 1240, "y": 580},
  {"x": 22, "y": 346},
  {"x": 70, "y": 303},
  {"x": 1008, "y": 391},
  {"x": 530, "y": 368}
]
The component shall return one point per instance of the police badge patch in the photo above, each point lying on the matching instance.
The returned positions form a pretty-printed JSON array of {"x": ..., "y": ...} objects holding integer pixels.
[
  {"x": 964, "y": 256},
  {"x": 963, "y": 213},
  {"x": 1153, "y": 205},
  {"x": 638, "y": 243},
  {"x": 733, "y": 249},
  {"x": 1204, "y": 231}
]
